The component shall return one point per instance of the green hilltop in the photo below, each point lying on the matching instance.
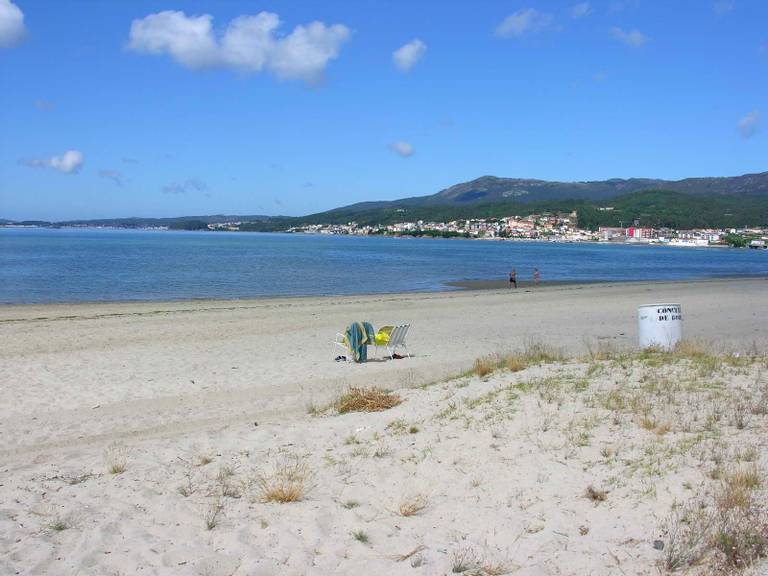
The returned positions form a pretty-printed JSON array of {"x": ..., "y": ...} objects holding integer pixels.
[{"x": 655, "y": 208}]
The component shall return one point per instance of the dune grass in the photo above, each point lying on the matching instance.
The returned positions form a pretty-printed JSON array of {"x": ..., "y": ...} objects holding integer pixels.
[
  {"x": 533, "y": 353},
  {"x": 288, "y": 482}
]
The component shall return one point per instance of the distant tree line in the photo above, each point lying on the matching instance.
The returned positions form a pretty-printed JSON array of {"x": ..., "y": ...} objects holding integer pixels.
[{"x": 189, "y": 225}]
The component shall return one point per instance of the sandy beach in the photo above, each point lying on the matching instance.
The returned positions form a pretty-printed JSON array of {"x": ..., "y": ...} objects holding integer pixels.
[{"x": 215, "y": 395}]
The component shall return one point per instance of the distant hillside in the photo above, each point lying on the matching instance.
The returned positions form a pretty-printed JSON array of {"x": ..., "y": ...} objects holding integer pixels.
[
  {"x": 491, "y": 189},
  {"x": 693, "y": 202},
  {"x": 737, "y": 201},
  {"x": 176, "y": 222},
  {"x": 656, "y": 208}
]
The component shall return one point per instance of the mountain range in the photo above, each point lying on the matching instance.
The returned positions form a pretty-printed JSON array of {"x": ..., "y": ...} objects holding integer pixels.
[
  {"x": 708, "y": 201},
  {"x": 492, "y": 189},
  {"x": 692, "y": 202}
]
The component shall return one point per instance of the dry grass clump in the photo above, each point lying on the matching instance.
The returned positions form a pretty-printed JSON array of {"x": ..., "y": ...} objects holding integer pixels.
[
  {"x": 399, "y": 426},
  {"x": 116, "y": 458},
  {"x": 486, "y": 365},
  {"x": 600, "y": 351},
  {"x": 730, "y": 528},
  {"x": 366, "y": 400},
  {"x": 740, "y": 535},
  {"x": 595, "y": 494},
  {"x": 691, "y": 349},
  {"x": 650, "y": 423},
  {"x": 464, "y": 560},
  {"x": 412, "y": 505},
  {"x": 468, "y": 560},
  {"x": 702, "y": 357},
  {"x": 687, "y": 535},
  {"x": 408, "y": 555},
  {"x": 533, "y": 353},
  {"x": 289, "y": 482},
  {"x": 212, "y": 513},
  {"x": 203, "y": 460},
  {"x": 495, "y": 569},
  {"x": 225, "y": 479}
]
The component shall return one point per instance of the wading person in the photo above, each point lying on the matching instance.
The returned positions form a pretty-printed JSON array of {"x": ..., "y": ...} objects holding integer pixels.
[
  {"x": 536, "y": 276},
  {"x": 513, "y": 278}
]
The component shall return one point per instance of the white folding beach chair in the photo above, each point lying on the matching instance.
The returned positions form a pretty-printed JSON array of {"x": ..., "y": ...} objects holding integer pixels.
[
  {"x": 341, "y": 348},
  {"x": 397, "y": 339}
]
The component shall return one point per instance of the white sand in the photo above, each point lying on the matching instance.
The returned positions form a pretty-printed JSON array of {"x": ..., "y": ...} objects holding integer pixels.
[{"x": 168, "y": 383}]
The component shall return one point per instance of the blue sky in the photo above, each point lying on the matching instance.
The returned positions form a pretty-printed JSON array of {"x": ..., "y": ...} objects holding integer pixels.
[{"x": 113, "y": 108}]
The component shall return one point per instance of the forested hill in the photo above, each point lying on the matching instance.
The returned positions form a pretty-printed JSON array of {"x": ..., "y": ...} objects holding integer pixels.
[
  {"x": 656, "y": 208},
  {"x": 492, "y": 189}
]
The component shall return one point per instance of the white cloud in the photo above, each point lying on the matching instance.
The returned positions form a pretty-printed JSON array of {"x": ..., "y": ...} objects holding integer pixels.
[
  {"x": 621, "y": 5},
  {"x": 70, "y": 162},
  {"x": 248, "y": 43},
  {"x": 189, "y": 185},
  {"x": 408, "y": 54},
  {"x": 12, "y": 28},
  {"x": 748, "y": 124},
  {"x": 44, "y": 105},
  {"x": 524, "y": 21},
  {"x": 402, "y": 148},
  {"x": 629, "y": 37},
  {"x": 114, "y": 175},
  {"x": 580, "y": 10},
  {"x": 723, "y": 6}
]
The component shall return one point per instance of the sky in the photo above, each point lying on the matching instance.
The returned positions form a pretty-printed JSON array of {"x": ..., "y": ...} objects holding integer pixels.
[{"x": 117, "y": 108}]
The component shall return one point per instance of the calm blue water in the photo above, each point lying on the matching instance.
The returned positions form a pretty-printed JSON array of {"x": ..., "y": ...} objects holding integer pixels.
[{"x": 40, "y": 265}]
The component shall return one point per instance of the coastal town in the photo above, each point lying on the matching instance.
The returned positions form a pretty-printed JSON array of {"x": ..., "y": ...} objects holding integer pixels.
[
  {"x": 562, "y": 227},
  {"x": 552, "y": 227}
]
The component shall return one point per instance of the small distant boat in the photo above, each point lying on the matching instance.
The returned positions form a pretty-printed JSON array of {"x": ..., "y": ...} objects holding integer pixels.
[{"x": 756, "y": 244}]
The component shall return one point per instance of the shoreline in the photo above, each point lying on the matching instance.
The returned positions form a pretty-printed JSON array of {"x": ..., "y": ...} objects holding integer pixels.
[
  {"x": 272, "y": 355},
  {"x": 395, "y": 236},
  {"x": 455, "y": 287}
]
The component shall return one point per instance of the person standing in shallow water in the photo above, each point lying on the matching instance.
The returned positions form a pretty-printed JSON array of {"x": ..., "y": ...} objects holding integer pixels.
[
  {"x": 513, "y": 278},
  {"x": 536, "y": 276}
]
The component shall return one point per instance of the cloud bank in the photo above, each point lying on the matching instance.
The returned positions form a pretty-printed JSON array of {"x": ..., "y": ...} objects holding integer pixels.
[
  {"x": 45, "y": 105},
  {"x": 402, "y": 148},
  {"x": 189, "y": 185},
  {"x": 629, "y": 37},
  {"x": 409, "y": 54},
  {"x": 114, "y": 175},
  {"x": 580, "y": 10},
  {"x": 12, "y": 30},
  {"x": 247, "y": 44},
  {"x": 70, "y": 162},
  {"x": 748, "y": 124},
  {"x": 723, "y": 6},
  {"x": 523, "y": 22}
]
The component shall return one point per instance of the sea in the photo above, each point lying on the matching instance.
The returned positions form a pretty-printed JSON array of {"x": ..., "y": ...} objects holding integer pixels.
[{"x": 41, "y": 265}]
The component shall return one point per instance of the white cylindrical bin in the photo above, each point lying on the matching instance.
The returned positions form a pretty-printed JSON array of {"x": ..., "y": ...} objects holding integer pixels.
[{"x": 660, "y": 325}]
